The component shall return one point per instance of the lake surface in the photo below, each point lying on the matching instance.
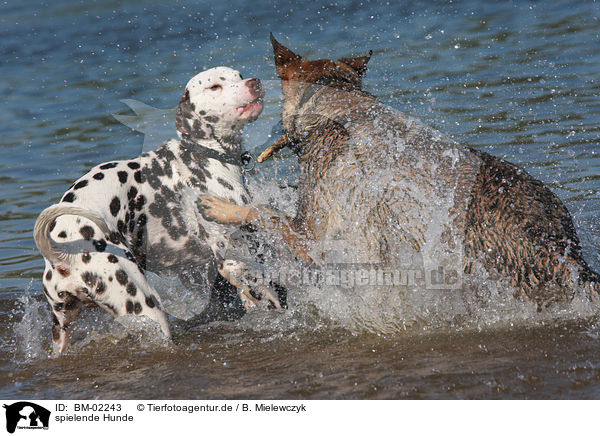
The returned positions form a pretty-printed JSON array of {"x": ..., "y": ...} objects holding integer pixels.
[{"x": 517, "y": 80}]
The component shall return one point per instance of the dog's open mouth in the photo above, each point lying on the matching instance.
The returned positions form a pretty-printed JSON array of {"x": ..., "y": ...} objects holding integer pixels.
[{"x": 252, "y": 109}]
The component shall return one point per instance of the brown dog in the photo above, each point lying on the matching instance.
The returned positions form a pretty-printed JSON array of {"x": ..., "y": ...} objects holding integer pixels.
[{"x": 391, "y": 185}]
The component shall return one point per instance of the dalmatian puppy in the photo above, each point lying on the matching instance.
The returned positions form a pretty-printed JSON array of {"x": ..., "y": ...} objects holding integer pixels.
[{"x": 125, "y": 217}]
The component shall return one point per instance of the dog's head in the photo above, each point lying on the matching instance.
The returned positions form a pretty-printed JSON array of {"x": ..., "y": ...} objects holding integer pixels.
[
  {"x": 216, "y": 104},
  {"x": 301, "y": 78},
  {"x": 345, "y": 73}
]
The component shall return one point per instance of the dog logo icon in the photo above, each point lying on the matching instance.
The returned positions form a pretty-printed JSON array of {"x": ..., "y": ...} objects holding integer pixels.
[{"x": 26, "y": 415}]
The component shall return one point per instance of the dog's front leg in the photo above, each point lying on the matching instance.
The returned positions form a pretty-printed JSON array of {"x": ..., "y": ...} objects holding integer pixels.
[{"x": 225, "y": 212}]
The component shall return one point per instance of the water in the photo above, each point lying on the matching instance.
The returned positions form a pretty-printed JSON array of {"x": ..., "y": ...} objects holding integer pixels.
[{"x": 514, "y": 79}]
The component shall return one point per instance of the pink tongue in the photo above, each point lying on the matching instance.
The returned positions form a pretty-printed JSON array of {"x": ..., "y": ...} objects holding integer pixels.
[{"x": 248, "y": 107}]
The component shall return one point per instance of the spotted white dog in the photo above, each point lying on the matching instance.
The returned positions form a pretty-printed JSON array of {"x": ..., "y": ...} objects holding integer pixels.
[{"x": 124, "y": 217}]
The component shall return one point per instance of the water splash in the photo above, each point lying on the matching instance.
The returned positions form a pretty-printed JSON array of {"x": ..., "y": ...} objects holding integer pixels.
[
  {"x": 31, "y": 333},
  {"x": 483, "y": 301}
]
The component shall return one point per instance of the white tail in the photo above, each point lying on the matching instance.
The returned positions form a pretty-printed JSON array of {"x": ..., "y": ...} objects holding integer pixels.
[{"x": 41, "y": 230}]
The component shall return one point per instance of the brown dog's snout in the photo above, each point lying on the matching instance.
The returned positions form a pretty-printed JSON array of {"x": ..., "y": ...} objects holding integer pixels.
[{"x": 255, "y": 87}]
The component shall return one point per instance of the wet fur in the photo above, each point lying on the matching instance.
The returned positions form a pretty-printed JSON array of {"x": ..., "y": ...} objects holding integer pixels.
[
  {"x": 507, "y": 220},
  {"x": 125, "y": 217}
]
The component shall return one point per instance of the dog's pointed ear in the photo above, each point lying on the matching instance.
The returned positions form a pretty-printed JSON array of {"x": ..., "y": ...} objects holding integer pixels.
[
  {"x": 285, "y": 59},
  {"x": 358, "y": 64}
]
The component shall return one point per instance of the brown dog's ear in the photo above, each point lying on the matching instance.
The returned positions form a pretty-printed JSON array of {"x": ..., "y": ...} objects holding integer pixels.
[
  {"x": 358, "y": 64},
  {"x": 285, "y": 59}
]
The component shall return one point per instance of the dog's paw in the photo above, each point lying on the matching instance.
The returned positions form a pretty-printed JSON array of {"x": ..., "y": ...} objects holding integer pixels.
[
  {"x": 225, "y": 212},
  {"x": 260, "y": 297},
  {"x": 248, "y": 299},
  {"x": 270, "y": 296}
]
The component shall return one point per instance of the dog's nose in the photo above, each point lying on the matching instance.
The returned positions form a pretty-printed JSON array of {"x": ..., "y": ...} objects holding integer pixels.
[{"x": 255, "y": 87}]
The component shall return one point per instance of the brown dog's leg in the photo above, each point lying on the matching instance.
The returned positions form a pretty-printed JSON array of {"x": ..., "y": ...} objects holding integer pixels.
[{"x": 213, "y": 208}]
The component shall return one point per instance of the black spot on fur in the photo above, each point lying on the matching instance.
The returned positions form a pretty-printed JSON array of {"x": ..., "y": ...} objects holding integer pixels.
[
  {"x": 169, "y": 194},
  {"x": 131, "y": 289},
  {"x": 140, "y": 238},
  {"x": 112, "y": 258},
  {"x": 137, "y": 308},
  {"x": 197, "y": 131},
  {"x": 89, "y": 278},
  {"x": 150, "y": 302},
  {"x": 87, "y": 232},
  {"x": 108, "y": 166},
  {"x": 139, "y": 177},
  {"x": 211, "y": 119},
  {"x": 225, "y": 184},
  {"x": 81, "y": 184},
  {"x": 52, "y": 225},
  {"x": 168, "y": 170},
  {"x": 121, "y": 277},
  {"x": 98, "y": 176},
  {"x": 140, "y": 202},
  {"x": 115, "y": 206},
  {"x": 101, "y": 288},
  {"x": 159, "y": 207},
  {"x": 62, "y": 234},
  {"x": 129, "y": 306},
  {"x": 165, "y": 154},
  {"x": 132, "y": 193},
  {"x": 69, "y": 197},
  {"x": 121, "y": 226},
  {"x": 115, "y": 237},
  {"x": 99, "y": 245},
  {"x": 122, "y": 176},
  {"x": 86, "y": 257},
  {"x": 156, "y": 168},
  {"x": 186, "y": 156},
  {"x": 49, "y": 275},
  {"x": 153, "y": 180},
  {"x": 133, "y": 165}
]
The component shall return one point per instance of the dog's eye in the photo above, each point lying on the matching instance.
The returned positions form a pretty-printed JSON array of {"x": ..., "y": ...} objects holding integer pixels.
[
  {"x": 215, "y": 87},
  {"x": 61, "y": 295}
]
